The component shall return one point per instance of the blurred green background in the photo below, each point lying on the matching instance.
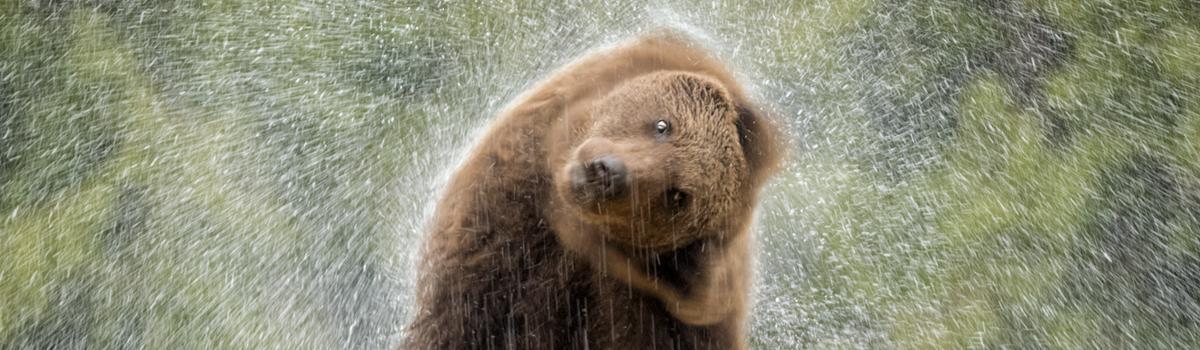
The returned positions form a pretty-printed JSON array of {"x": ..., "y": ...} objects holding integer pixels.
[{"x": 246, "y": 174}]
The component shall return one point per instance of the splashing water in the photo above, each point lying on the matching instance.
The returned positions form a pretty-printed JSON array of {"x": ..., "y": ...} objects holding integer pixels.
[{"x": 243, "y": 175}]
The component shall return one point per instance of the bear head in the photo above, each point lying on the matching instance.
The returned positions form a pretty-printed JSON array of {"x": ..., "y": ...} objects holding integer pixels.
[{"x": 666, "y": 159}]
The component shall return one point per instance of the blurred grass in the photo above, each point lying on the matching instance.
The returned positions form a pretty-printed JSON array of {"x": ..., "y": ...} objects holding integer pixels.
[{"x": 237, "y": 174}]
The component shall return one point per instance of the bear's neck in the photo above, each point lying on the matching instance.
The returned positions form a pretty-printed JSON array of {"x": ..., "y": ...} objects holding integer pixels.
[{"x": 677, "y": 268}]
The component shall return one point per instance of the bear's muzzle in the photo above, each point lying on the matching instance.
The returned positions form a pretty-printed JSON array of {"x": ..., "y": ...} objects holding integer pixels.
[{"x": 601, "y": 179}]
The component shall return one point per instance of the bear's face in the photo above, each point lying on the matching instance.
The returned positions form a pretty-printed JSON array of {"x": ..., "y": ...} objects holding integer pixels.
[{"x": 660, "y": 163}]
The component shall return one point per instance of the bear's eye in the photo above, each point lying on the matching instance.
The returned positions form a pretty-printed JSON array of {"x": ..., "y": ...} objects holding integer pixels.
[
  {"x": 662, "y": 127},
  {"x": 677, "y": 199}
]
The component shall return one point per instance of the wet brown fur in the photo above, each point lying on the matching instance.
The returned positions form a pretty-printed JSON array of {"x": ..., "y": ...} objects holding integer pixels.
[{"x": 513, "y": 261}]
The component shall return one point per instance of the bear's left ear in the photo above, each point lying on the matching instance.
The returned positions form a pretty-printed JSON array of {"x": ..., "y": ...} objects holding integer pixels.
[
  {"x": 705, "y": 90},
  {"x": 760, "y": 143}
]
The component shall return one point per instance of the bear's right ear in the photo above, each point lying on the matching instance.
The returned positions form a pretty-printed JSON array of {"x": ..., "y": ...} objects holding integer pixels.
[{"x": 760, "y": 144}]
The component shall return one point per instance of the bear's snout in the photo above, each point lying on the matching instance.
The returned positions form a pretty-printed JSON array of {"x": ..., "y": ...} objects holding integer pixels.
[{"x": 604, "y": 177}]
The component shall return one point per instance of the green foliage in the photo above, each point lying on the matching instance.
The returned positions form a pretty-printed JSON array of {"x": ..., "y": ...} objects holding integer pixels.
[
  {"x": 139, "y": 212},
  {"x": 1000, "y": 203},
  {"x": 45, "y": 246}
]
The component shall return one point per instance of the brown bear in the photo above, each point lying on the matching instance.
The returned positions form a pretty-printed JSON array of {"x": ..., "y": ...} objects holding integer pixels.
[{"x": 607, "y": 208}]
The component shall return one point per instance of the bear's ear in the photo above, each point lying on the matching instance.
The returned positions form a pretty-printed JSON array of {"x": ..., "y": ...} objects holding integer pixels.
[
  {"x": 704, "y": 90},
  {"x": 759, "y": 142}
]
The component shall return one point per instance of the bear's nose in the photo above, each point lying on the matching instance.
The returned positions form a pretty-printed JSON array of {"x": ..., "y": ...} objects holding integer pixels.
[{"x": 608, "y": 174}]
